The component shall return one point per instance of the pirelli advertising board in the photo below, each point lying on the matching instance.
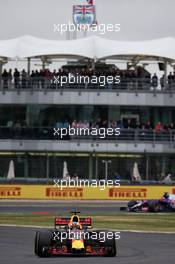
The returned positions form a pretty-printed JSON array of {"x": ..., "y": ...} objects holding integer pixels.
[{"x": 49, "y": 192}]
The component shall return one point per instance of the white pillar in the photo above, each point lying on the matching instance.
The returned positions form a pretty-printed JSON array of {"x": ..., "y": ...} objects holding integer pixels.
[{"x": 165, "y": 74}]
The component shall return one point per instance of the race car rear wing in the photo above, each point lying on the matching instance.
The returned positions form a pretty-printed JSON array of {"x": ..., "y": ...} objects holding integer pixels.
[{"x": 62, "y": 221}]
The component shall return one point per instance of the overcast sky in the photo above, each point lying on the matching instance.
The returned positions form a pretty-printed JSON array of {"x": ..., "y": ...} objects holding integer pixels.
[{"x": 139, "y": 19}]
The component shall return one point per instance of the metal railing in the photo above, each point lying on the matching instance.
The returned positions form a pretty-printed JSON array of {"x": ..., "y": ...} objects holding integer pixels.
[
  {"x": 50, "y": 181},
  {"x": 126, "y": 135},
  {"x": 126, "y": 84}
]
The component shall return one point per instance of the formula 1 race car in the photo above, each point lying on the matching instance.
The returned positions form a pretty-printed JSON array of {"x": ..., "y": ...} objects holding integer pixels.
[
  {"x": 73, "y": 237},
  {"x": 165, "y": 204}
]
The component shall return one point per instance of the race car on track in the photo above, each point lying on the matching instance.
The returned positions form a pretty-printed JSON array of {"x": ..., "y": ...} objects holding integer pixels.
[
  {"x": 165, "y": 204},
  {"x": 73, "y": 236}
]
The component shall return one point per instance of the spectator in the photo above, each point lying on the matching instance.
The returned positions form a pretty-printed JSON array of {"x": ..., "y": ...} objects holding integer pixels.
[
  {"x": 10, "y": 78},
  {"x": 47, "y": 78},
  {"x": 165, "y": 127},
  {"x": 158, "y": 127},
  {"x": 24, "y": 79},
  {"x": 162, "y": 82},
  {"x": 5, "y": 79},
  {"x": 154, "y": 81},
  {"x": 32, "y": 79},
  {"x": 74, "y": 124},
  {"x": 170, "y": 80},
  {"x": 41, "y": 78},
  {"x": 171, "y": 126},
  {"x": 128, "y": 124},
  {"x": 16, "y": 76},
  {"x": 168, "y": 178},
  {"x": 120, "y": 124},
  {"x": 148, "y": 125},
  {"x": 17, "y": 128},
  {"x": 37, "y": 79}
]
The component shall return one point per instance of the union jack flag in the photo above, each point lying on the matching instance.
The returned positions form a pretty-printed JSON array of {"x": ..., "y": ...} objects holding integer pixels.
[
  {"x": 82, "y": 9},
  {"x": 84, "y": 14}
]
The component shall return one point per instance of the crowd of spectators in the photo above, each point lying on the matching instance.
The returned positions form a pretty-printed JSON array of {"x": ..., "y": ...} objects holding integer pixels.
[
  {"x": 129, "y": 129},
  {"x": 99, "y": 123},
  {"x": 128, "y": 124},
  {"x": 129, "y": 79}
]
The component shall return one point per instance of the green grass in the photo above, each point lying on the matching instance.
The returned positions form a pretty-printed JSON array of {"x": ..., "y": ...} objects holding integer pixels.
[{"x": 121, "y": 221}]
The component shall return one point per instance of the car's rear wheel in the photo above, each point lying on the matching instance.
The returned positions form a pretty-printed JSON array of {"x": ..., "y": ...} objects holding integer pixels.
[
  {"x": 110, "y": 244},
  {"x": 42, "y": 241},
  {"x": 154, "y": 206}
]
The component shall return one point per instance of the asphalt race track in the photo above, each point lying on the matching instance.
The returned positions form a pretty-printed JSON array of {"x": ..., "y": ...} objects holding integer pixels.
[
  {"x": 16, "y": 243},
  {"x": 63, "y": 208},
  {"x": 16, "y": 247}
]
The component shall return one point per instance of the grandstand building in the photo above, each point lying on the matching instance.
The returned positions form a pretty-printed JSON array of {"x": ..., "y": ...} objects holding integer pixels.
[{"x": 142, "y": 105}]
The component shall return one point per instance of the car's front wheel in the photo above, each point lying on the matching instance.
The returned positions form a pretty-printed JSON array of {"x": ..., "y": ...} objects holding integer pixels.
[{"x": 42, "y": 241}]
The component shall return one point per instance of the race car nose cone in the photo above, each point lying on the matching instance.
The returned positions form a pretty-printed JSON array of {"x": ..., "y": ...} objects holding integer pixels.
[{"x": 77, "y": 244}]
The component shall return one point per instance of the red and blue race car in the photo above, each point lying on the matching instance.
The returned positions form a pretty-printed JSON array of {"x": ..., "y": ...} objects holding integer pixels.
[{"x": 165, "y": 204}]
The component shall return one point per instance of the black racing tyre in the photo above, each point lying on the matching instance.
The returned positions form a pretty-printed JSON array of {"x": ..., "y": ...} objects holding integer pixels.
[
  {"x": 110, "y": 244},
  {"x": 42, "y": 239},
  {"x": 154, "y": 206},
  {"x": 36, "y": 243}
]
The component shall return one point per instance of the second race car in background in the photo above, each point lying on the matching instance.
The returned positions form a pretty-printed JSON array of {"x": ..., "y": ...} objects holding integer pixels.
[{"x": 165, "y": 204}]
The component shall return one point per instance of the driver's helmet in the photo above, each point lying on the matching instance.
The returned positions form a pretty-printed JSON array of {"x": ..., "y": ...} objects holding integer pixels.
[
  {"x": 166, "y": 195},
  {"x": 75, "y": 223}
]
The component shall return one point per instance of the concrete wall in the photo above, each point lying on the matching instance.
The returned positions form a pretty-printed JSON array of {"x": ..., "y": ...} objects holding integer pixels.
[{"x": 87, "y": 97}]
